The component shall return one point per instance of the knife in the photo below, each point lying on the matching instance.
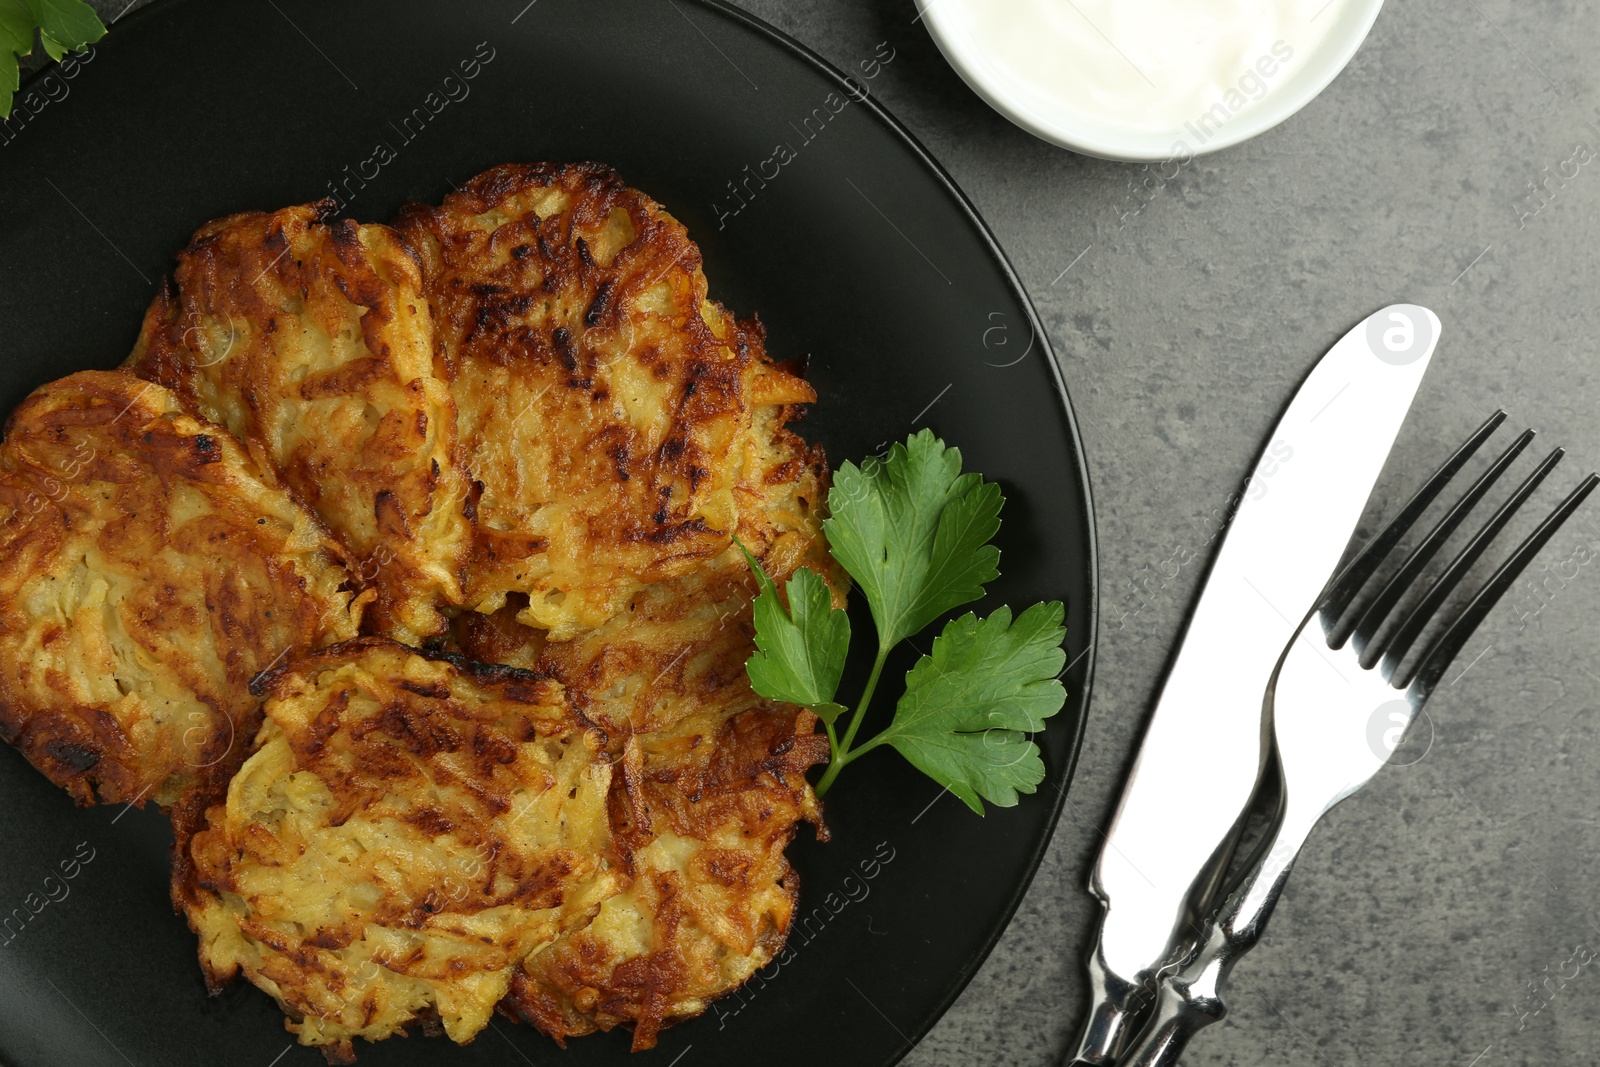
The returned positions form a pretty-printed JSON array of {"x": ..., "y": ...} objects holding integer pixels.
[{"x": 1178, "y": 821}]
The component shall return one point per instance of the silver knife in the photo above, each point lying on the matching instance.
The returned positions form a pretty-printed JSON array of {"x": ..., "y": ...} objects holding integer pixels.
[{"x": 1201, "y": 758}]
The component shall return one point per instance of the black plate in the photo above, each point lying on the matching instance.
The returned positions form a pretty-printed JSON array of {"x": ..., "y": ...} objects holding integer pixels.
[{"x": 859, "y": 253}]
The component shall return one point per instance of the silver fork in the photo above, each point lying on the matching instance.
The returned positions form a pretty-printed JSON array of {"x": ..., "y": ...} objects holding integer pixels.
[{"x": 1339, "y": 703}]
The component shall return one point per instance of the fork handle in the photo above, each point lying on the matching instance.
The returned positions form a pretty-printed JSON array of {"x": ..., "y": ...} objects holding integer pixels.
[
  {"x": 1192, "y": 998},
  {"x": 1186, "y": 1003}
]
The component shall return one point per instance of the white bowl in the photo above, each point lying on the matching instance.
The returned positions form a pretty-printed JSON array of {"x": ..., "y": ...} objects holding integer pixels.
[{"x": 1107, "y": 139}]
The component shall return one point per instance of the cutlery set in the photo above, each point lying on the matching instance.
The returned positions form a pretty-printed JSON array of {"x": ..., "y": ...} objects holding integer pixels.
[{"x": 1287, "y": 669}]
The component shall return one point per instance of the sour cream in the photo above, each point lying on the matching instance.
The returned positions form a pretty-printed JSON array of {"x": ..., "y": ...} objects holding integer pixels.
[{"x": 1158, "y": 67}]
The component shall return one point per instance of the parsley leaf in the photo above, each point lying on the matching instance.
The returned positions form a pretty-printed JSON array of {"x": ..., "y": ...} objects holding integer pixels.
[
  {"x": 800, "y": 649},
  {"x": 16, "y": 39},
  {"x": 967, "y": 705},
  {"x": 64, "y": 26},
  {"x": 913, "y": 532}
]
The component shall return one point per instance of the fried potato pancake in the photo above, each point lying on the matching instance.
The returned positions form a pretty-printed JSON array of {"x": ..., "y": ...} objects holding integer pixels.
[
  {"x": 406, "y": 830},
  {"x": 605, "y": 403},
  {"x": 712, "y": 792},
  {"x": 309, "y": 338},
  {"x": 705, "y": 810},
  {"x": 151, "y": 572}
]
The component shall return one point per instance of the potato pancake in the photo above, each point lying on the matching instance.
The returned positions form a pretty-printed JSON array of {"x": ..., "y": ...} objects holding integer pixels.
[
  {"x": 712, "y": 791},
  {"x": 605, "y": 403},
  {"x": 406, "y": 830},
  {"x": 309, "y": 338},
  {"x": 151, "y": 572},
  {"x": 703, "y": 813}
]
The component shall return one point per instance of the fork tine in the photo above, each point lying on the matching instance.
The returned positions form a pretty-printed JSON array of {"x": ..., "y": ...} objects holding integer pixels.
[
  {"x": 1399, "y": 642},
  {"x": 1437, "y": 660},
  {"x": 1341, "y": 592},
  {"x": 1373, "y": 615}
]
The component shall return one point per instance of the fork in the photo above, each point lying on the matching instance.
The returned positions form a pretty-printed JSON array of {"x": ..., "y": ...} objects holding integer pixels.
[{"x": 1344, "y": 692}]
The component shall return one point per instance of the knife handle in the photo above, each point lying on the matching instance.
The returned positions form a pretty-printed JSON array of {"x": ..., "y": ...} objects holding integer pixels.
[
  {"x": 1115, "y": 1008},
  {"x": 1186, "y": 1003},
  {"x": 1192, "y": 999},
  {"x": 1118, "y": 1002}
]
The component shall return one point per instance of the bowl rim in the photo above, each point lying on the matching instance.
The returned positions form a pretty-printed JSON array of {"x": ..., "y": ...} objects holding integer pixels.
[{"x": 1328, "y": 60}]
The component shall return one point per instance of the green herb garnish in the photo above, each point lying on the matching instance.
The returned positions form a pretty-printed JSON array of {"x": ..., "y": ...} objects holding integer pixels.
[
  {"x": 913, "y": 532},
  {"x": 63, "y": 26}
]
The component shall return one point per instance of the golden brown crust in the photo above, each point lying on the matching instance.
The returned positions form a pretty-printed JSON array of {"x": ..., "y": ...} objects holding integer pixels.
[
  {"x": 714, "y": 784},
  {"x": 604, "y": 401},
  {"x": 310, "y": 340},
  {"x": 406, "y": 830},
  {"x": 703, "y": 811},
  {"x": 524, "y": 404},
  {"x": 712, "y": 790},
  {"x": 151, "y": 572}
]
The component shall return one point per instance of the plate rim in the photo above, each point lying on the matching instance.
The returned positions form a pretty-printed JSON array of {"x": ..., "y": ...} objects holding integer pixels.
[{"x": 726, "y": 9}]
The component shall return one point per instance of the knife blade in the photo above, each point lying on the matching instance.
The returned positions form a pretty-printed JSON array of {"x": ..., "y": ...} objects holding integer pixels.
[{"x": 1201, "y": 757}]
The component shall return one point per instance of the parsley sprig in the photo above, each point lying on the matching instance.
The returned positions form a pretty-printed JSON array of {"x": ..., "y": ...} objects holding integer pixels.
[
  {"x": 913, "y": 532},
  {"x": 63, "y": 26}
]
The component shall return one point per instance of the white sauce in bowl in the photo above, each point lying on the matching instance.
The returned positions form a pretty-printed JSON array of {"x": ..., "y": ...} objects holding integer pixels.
[{"x": 1180, "y": 67}]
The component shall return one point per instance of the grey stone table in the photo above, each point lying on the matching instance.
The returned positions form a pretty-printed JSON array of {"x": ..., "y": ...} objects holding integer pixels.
[
  {"x": 1426, "y": 912},
  {"x": 1423, "y": 908}
]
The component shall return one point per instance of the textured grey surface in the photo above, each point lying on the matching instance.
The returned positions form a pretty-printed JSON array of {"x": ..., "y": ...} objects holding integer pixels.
[
  {"x": 1424, "y": 911},
  {"x": 1422, "y": 908}
]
